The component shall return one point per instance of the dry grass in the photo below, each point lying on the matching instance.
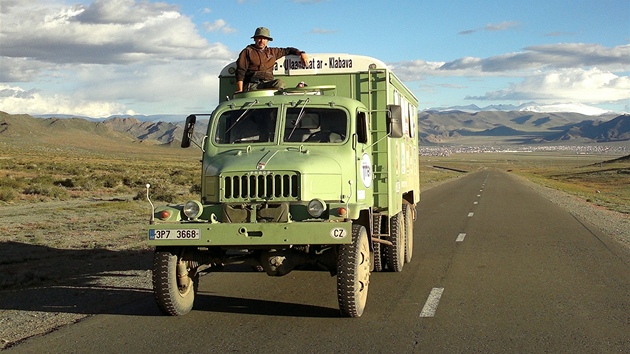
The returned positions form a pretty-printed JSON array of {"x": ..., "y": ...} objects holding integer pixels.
[
  {"x": 39, "y": 174},
  {"x": 60, "y": 199},
  {"x": 585, "y": 176},
  {"x": 89, "y": 202}
]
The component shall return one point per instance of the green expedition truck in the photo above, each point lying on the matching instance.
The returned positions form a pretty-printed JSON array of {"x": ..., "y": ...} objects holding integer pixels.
[{"x": 321, "y": 174}]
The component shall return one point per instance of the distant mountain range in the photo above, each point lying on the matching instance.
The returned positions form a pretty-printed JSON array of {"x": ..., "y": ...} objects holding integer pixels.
[
  {"x": 82, "y": 132},
  {"x": 140, "y": 117},
  {"x": 528, "y": 107},
  {"x": 524, "y": 127},
  {"x": 434, "y": 127}
]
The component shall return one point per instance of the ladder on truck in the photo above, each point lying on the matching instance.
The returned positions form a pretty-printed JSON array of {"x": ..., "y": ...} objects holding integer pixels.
[
  {"x": 374, "y": 92},
  {"x": 375, "y": 89}
]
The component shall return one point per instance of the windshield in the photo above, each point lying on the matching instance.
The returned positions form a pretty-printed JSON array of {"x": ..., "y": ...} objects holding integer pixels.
[
  {"x": 246, "y": 126},
  {"x": 302, "y": 125},
  {"x": 315, "y": 125}
]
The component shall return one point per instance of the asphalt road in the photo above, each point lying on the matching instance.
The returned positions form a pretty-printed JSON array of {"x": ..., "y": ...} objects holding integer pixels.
[{"x": 496, "y": 268}]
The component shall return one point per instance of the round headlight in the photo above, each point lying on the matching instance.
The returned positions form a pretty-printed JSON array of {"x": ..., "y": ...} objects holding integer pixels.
[
  {"x": 316, "y": 207},
  {"x": 193, "y": 209}
]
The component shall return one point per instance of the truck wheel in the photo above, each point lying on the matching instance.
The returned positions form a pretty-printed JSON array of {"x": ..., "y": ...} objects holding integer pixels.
[
  {"x": 172, "y": 298},
  {"x": 377, "y": 255},
  {"x": 396, "y": 252},
  {"x": 408, "y": 216},
  {"x": 377, "y": 263},
  {"x": 353, "y": 273}
]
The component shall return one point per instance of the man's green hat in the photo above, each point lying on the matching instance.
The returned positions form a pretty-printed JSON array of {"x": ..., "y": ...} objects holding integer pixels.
[{"x": 262, "y": 32}]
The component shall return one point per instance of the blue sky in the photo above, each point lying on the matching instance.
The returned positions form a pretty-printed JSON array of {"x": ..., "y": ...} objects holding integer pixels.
[{"x": 107, "y": 57}]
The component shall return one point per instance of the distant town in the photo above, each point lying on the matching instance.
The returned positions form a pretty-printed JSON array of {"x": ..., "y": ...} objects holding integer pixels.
[{"x": 576, "y": 149}]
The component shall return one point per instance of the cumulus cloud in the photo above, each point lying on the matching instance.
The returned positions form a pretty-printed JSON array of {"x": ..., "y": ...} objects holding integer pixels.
[
  {"x": 416, "y": 70},
  {"x": 110, "y": 57},
  {"x": 533, "y": 59},
  {"x": 219, "y": 26},
  {"x": 576, "y": 85},
  {"x": 576, "y": 72},
  {"x": 106, "y": 31},
  {"x": 16, "y": 100},
  {"x": 563, "y": 55},
  {"x": 549, "y": 56}
]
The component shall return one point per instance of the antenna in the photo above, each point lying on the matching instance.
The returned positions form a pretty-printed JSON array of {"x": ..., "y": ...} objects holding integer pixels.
[{"x": 152, "y": 219}]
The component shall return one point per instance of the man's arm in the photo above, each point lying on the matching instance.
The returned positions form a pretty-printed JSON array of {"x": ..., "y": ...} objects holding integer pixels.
[
  {"x": 304, "y": 58},
  {"x": 241, "y": 67},
  {"x": 292, "y": 51}
]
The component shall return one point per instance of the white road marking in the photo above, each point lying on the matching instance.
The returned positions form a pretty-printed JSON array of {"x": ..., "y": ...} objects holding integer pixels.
[
  {"x": 470, "y": 215},
  {"x": 432, "y": 303},
  {"x": 479, "y": 195},
  {"x": 460, "y": 237}
]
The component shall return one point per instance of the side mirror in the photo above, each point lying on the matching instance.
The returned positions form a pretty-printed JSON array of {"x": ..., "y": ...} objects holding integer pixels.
[
  {"x": 394, "y": 121},
  {"x": 189, "y": 128}
]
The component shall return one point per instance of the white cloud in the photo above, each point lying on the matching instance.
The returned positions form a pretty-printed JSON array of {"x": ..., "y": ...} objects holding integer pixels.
[
  {"x": 562, "y": 55},
  {"x": 416, "y": 70},
  {"x": 109, "y": 57},
  {"x": 102, "y": 90},
  {"x": 107, "y": 31},
  {"x": 533, "y": 59},
  {"x": 592, "y": 86},
  {"x": 574, "y": 72},
  {"x": 219, "y": 26},
  {"x": 18, "y": 100}
]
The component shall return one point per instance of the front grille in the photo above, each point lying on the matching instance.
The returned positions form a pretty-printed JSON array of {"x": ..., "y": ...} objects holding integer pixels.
[{"x": 256, "y": 186}]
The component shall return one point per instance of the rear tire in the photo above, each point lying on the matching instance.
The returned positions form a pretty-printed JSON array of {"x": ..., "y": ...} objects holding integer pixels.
[
  {"x": 377, "y": 255},
  {"x": 353, "y": 273},
  {"x": 396, "y": 252},
  {"x": 408, "y": 218},
  {"x": 172, "y": 298}
]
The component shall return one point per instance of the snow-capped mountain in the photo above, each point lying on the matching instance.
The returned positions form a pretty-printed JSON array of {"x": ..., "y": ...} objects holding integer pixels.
[
  {"x": 528, "y": 107},
  {"x": 566, "y": 107}
]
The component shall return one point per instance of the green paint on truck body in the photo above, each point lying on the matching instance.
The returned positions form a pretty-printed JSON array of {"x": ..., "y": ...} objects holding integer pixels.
[{"x": 303, "y": 144}]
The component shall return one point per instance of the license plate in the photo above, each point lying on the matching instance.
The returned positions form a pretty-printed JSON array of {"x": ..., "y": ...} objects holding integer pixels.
[{"x": 175, "y": 234}]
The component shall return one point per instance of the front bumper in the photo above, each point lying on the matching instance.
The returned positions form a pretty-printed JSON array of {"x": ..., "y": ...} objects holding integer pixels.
[{"x": 251, "y": 234}]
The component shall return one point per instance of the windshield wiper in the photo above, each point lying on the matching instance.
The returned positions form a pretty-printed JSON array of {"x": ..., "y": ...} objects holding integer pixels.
[
  {"x": 297, "y": 121},
  {"x": 241, "y": 116}
]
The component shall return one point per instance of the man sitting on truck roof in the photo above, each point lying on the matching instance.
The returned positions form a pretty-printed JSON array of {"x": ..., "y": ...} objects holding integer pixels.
[{"x": 254, "y": 67}]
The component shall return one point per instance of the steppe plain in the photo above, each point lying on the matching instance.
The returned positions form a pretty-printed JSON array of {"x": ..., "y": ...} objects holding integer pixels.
[{"x": 74, "y": 213}]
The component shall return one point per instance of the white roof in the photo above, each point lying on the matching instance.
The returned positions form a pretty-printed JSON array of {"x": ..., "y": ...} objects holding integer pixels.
[{"x": 319, "y": 63}]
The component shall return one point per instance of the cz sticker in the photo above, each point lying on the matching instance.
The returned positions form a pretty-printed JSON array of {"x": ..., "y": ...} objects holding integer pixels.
[{"x": 338, "y": 233}]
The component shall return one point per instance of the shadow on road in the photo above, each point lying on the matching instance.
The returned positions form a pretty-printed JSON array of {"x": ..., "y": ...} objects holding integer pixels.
[
  {"x": 226, "y": 304},
  {"x": 90, "y": 281},
  {"x": 97, "y": 281}
]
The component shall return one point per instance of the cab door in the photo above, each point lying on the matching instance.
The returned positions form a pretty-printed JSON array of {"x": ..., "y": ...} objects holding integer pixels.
[{"x": 364, "y": 159}]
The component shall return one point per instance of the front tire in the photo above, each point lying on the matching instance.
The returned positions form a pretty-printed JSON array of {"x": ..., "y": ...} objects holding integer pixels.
[
  {"x": 174, "y": 297},
  {"x": 353, "y": 273}
]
